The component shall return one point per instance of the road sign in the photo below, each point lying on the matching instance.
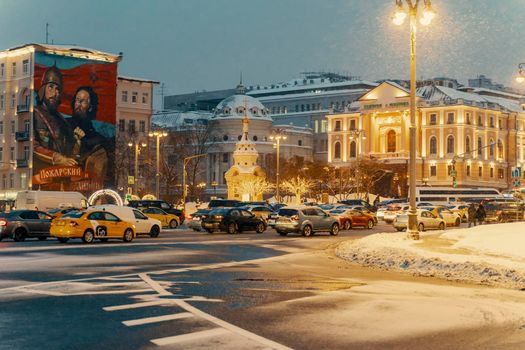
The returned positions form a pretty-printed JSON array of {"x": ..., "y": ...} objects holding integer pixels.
[{"x": 131, "y": 180}]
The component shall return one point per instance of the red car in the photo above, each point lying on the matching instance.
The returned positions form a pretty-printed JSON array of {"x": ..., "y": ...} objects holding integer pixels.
[{"x": 349, "y": 218}]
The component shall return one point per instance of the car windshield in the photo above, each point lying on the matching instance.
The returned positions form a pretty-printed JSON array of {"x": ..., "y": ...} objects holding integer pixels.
[
  {"x": 337, "y": 211},
  {"x": 221, "y": 211},
  {"x": 74, "y": 214},
  {"x": 287, "y": 212}
]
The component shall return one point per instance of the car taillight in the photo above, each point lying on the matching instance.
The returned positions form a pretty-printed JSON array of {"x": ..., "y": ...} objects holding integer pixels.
[
  {"x": 218, "y": 217},
  {"x": 189, "y": 217},
  {"x": 294, "y": 217},
  {"x": 3, "y": 222},
  {"x": 73, "y": 224}
]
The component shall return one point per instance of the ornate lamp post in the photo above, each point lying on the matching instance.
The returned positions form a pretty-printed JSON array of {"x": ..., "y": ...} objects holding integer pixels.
[
  {"x": 359, "y": 135},
  {"x": 521, "y": 77},
  {"x": 277, "y": 136},
  {"x": 158, "y": 135},
  {"x": 399, "y": 17},
  {"x": 138, "y": 146}
]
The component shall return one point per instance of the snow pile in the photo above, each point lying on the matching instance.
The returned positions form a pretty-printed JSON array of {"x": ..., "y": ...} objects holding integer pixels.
[{"x": 488, "y": 254}]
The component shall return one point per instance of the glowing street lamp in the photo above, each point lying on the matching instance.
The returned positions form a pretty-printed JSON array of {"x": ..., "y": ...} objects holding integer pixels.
[
  {"x": 138, "y": 145},
  {"x": 158, "y": 135},
  {"x": 521, "y": 77},
  {"x": 277, "y": 136},
  {"x": 399, "y": 16},
  {"x": 360, "y": 135}
]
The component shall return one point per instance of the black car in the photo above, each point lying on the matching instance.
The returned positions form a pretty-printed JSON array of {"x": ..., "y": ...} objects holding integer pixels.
[
  {"x": 21, "y": 224},
  {"x": 167, "y": 207},
  {"x": 232, "y": 220},
  {"x": 219, "y": 203}
]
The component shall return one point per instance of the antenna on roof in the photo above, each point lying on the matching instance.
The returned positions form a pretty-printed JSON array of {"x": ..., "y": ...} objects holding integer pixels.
[{"x": 47, "y": 33}]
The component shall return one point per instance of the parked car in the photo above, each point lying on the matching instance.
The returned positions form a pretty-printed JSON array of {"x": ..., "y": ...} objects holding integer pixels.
[
  {"x": 388, "y": 202},
  {"x": 261, "y": 211},
  {"x": 461, "y": 210},
  {"x": 350, "y": 218},
  {"x": 277, "y": 206},
  {"x": 366, "y": 211},
  {"x": 22, "y": 224},
  {"x": 166, "y": 219},
  {"x": 167, "y": 207},
  {"x": 328, "y": 207},
  {"x": 194, "y": 221},
  {"x": 498, "y": 211},
  {"x": 451, "y": 218},
  {"x": 57, "y": 213},
  {"x": 426, "y": 220},
  {"x": 305, "y": 220},
  {"x": 352, "y": 202},
  {"x": 143, "y": 224},
  {"x": 393, "y": 211},
  {"x": 232, "y": 220},
  {"x": 91, "y": 225}
]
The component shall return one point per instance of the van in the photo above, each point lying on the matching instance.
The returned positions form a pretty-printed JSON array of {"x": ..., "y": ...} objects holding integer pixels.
[{"x": 46, "y": 200}]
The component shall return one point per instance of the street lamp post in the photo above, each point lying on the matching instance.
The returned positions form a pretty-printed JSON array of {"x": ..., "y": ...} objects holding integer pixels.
[
  {"x": 158, "y": 135},
  {"x": 360, "y": 135},
  {"x": 184, "y": 189},
  {"x": 277, "y": 136},
  {"x": 214, "y": 184},
  {"x": 138, "y": 145},
  {"x": 398, "y": 19}
]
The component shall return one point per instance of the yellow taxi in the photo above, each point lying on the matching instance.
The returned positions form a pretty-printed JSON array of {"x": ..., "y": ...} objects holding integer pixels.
[
  {"x": 91, "y": 225},
  {"x": 166, "y": 219}
]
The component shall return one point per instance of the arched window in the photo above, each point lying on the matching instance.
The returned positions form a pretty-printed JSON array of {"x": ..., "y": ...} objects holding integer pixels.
[
  {"x": 500, "y": 149},
  {"x": 450, "y": 144},
  {"x": 467, "y": 144},
  {"x": 480, "y": 147},
  {"x": 433, "y": 145},
  {"x": 491, "y": 148},
  {"x": 353, "y": 150},
  {"x": 391, "y": 141},
  {"x": 337, "y": 150}
]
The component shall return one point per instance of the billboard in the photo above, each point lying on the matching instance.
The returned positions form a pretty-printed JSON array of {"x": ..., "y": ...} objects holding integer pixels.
[{"x": 74, "y": 123}]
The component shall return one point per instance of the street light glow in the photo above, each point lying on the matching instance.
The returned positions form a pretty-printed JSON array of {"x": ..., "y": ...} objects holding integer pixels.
[
  {"x": 399, "y": 14},
  {"x": 428, "y": 14}
]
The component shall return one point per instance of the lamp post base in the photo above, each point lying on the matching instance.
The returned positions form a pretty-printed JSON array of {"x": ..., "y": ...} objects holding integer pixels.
[
  {"x": 413, "y": 235},
  {"x": 412, "y": 229}
]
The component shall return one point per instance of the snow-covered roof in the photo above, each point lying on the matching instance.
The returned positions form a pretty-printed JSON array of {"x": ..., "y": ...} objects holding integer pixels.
[
  {"x": 322, "y": 93},
  {"x": 237, "y": 106},
  {"x": 65, "y": 49},
  {"x": 176, "y": 119},
  {"x": 299, "y": 84},
  {"x": 140, "y": 80}
]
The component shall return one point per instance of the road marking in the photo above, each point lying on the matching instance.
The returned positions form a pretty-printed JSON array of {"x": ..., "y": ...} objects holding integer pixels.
[
  {"x": 155, "y": 285},
  {"x": 149, "y": 320},
  {"x": 35, "y": 291},
  {"x": 136, "y": 305},
  {"x": 189, "y": 337}
]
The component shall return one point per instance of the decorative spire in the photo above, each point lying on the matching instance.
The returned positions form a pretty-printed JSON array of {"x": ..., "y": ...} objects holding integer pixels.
[
  {"x": 245, "y": 120},
  {"x": 241, "y": 89}
]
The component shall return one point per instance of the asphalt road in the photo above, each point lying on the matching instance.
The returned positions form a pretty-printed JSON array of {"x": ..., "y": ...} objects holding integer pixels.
[{"x": 191, "y": 290}]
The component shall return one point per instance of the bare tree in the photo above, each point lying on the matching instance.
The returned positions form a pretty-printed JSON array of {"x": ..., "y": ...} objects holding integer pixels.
[
  {"x": 255, "y": 186},
  {"x": 298, "y": 186}
]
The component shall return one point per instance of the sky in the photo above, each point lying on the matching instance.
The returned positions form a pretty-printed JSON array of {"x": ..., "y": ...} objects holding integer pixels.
[{"x": 195, "y": 45}]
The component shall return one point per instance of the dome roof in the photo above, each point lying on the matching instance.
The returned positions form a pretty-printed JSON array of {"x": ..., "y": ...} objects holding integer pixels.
[{"x": 234, "y": 107}]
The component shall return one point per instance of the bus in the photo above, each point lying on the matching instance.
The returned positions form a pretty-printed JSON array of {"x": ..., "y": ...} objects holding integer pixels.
[{"x": 444, "y": 195}]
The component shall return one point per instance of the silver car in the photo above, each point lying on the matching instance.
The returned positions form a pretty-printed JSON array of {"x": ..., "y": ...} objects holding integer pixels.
[
  {"x": 426, "y": 220},
  {"x": 194, "y": 221},
  {"x": 305, "y": 220}
]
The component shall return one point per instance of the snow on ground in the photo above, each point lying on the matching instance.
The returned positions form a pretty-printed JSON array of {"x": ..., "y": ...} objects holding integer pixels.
[{"x": 487, "y": 254}]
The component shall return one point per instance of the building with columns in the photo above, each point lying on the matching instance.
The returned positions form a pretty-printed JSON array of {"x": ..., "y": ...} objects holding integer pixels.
[{"x": 481, "y": 137}]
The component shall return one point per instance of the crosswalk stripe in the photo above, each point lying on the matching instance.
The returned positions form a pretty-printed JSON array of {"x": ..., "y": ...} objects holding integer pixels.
[
  {"x": 135, "y": 305},
  {"x": 189, "y": 337},
  {"x": 156, "y": 319}
]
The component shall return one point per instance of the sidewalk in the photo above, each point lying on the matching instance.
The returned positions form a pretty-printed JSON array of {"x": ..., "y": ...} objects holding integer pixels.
[{"x": 488, "y": 254}]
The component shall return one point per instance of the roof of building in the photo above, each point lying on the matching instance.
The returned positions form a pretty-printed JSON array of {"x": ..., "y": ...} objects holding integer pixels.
[
  {"x": 69, "y": 50},
  {"x": 237, "y": 106},
  {"x": 139, "y": 80},
  {"x": 179, "y": 120}
]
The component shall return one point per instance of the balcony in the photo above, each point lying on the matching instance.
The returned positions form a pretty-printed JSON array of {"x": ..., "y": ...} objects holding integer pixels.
[
  {"x": 22, "y": 109},
  {"x": 22, "y": 135},
  {"x": 21, "y": 163}
]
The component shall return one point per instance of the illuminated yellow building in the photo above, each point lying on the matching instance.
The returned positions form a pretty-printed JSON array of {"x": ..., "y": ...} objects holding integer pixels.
[{"x": 480, "y": 135}]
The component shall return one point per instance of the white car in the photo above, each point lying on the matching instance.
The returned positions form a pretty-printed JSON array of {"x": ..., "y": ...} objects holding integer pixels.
[
  {"x": 143, "y": 224},
  {"x": 426, "y": 220},
  {"x": 451, "y": 218},
  {"x": 393, "y": 211}
]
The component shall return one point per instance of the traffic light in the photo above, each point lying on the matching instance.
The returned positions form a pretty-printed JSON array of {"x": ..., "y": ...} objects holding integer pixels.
[{"x": 454, "y": 183}]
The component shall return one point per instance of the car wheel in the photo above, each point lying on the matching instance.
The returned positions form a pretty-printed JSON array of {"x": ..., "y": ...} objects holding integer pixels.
[
  {"x": 334, "y": 230},
  {"x": 421, "y": 227},
  {"x": 63, "y": 239},
  {"x": 19, "y": 235},
  {"x": 370, "y": 224},
  {"x": 260, "y": 227},
  {"x": 441, "y": 226},
  {"x": 232, "y": 228},
  {"x": 282, "y": 233},
  {"x": 88, "y": 236},
  {"x": 458, "y": 222},
  {"x": 173, "y": 223},
  {"x": 307, "y": 231},
  {"x": 347, "y": 225},
  {"x": 128, "y": 235},
  {"x": 154, "y": 232},
  {"x": 42, "y": 238},
  {"x": 400, "y": 229}
]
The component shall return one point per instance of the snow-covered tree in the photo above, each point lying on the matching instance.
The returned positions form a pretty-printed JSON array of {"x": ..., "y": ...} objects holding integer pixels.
[
  {"x": 298, "y": 186},
  {"x": 254, "y": 187}
]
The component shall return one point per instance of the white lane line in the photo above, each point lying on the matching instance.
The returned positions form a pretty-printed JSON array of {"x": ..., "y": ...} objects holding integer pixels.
[
  {"x": 155, "y": 285},
  {"x": 149, "y": 320},
  {"x": 35, "y": 291},
  {"x": 189, "y": 337},
  {"x": 136, "y": 305}
]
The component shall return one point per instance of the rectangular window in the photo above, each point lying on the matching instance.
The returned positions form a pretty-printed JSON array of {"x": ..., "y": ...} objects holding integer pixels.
[
  {"x": 501, "y": 173},
  {"x": 433, "y": 119},
  {"x": 468, "y": 118},
  {"x": 26, "y": 152},
  {"x": 25, "y": 66},
  {"x": 480, "y": 171},
  {"x": 225, "y": 157},
  {"x": 12, "y": 153},
  {"x": 26, "y": 126},
  {"x": 23, "y": 180},
  {"x": 1, "y": 154},
  {"x": 316, "y": 126},
  {"x": 14, "y": 69},
  {"x": 450, "y": 118},
  {"x": 491, "y": 172},
  {"x": 131, "y": 126},
  {"x": 121, "y": 125},
  {"x": 449, "y": 170},
  {"x": 433, "y": 170},
  {"x": 468, "y": 170},
  {"x": 11, "y": 180},
  {"x": 324, "y": 123},
  {"x": 337, "y": 125},
  {"x": 13, "y": 100},
  {"x": 134, "y": 97},
  {"x": 142, "y": 126},
  {"x": 2, "y": 70},
  {"x": 4, "y": 181},
  {"x": 13, "y": 128},
  {"x": 352, "y": 124},
  {"x": 124, "y": 96},
  {"x": 2, "y": 101},
  {"x": 1, "y": 128},
  {"x": 144, "y": 97}
]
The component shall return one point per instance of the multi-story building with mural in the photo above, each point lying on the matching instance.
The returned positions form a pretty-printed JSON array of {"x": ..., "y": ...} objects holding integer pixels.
[{"x": 477, "y": 138}]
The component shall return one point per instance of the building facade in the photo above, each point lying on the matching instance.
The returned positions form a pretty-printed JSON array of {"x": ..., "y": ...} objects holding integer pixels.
[{"x": 473, "y": 138}]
